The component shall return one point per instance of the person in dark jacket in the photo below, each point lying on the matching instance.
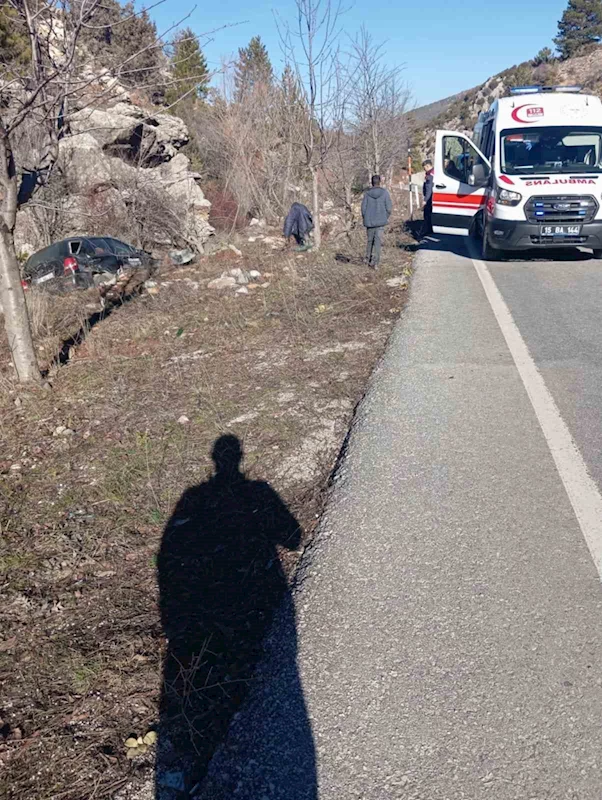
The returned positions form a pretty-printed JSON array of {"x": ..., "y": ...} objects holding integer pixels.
[
  {"x": 427, "y": 192},
  {"x": 299, "y": 223},
  {"x": 376, "y": 210}
]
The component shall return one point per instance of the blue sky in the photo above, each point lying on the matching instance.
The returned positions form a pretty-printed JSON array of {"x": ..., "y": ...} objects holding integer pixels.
[{"x": 446, "y": 45}]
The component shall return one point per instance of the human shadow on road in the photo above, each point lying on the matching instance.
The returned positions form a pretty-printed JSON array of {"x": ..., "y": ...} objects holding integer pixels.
[{"x": 221, "y": 581}]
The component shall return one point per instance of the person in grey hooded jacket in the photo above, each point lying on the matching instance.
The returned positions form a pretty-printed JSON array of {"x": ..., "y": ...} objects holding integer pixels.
[{"x": 376, "y": 210}]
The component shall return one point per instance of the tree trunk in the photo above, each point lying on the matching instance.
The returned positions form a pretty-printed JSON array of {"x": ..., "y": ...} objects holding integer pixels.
[
  {"x": 16, "y": 319},
  {"x": 315, "y": 191},
  {"x": 12, "y": 298},
  {"x": 349, "y": 205},
  {"x": 288, "y": 174},
  {"x": 375, "y": 149}
]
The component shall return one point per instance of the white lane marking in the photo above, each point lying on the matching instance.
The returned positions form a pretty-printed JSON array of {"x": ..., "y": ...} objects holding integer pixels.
[{"x": 580, "y": 487}]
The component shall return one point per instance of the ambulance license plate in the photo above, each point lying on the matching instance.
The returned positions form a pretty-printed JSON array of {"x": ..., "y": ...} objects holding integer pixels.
[{"x": 560, "y": 230}]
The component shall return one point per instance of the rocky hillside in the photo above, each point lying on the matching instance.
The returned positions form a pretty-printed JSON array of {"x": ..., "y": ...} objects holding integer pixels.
[
  {"x": 425, "y": 114},
  {"x": 121, "y": 171},
  {"x": 460, "y": 113}
]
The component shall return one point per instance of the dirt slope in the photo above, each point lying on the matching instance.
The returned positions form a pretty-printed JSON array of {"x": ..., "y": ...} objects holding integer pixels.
[{"x": 91, "y": 471}]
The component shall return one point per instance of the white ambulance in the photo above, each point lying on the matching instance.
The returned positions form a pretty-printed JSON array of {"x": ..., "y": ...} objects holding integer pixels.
[{"x": 531, "y": 177}]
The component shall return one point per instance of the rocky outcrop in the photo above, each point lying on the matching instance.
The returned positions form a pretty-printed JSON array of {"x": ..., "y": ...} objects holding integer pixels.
[
  {"x": 183, "y": 186},
  {"x": 132, "y": 133},
  {"x": 118, "y": 157}
]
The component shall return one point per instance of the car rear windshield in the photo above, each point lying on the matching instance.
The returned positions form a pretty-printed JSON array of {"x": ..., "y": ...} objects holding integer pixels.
[
  {"x": 122, "y": 247},
  {"x": 96, "y": 245},
  {"x": 551, "y": 151},
  {"x": 45, "y": 256}
]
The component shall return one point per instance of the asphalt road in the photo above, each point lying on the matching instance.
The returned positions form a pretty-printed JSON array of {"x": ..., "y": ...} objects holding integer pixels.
[{"x": 447, "y": 638}]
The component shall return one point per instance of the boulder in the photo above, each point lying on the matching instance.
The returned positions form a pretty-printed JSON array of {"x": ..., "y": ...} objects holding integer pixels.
[
  {"x": 101, "y": 182},
  {"x": 183, "y": 186},
  {"x": 400, "y": 282},
  {"x": 181, "y": 257},
  {"x": 239, "y": 275},
  {"x": 132, "y": 133},
  {"x": 171, "y": 134},
  {"x": 334, "y": 222},
  {"x": 275, "y": 242},
  {"x": 225, "y": 282},
  {"x": 85, "y": 163}
]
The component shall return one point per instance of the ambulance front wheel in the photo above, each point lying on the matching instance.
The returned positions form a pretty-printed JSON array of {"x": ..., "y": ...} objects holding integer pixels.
[
  {"x": 487, "y": 251},
  {"x": 598, "y": 254}
]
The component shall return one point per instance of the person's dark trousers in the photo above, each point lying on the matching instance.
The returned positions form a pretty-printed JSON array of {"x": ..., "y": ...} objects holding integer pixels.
[
  {"x": 373, "y": 247},
  {"x": 427, "y": 227},
  {"x": 299, "y": 239}
]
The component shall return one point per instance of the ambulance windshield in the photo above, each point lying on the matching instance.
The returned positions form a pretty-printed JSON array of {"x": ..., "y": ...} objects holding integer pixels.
[{"x": 551, "y": 151}]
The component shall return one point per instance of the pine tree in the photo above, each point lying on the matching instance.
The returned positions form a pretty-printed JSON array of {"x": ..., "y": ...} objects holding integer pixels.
[
  {"x": 289, "y": 84},
  {"x": 253, "y": 68},
  {"x": 188, "y": 70},
  {"x": 522, "y": 75},
  {"x": 580, "y": 26},
  {"x": 14, "y": 44},
  {"x": 138, "y": 34},
  {"x": 545, "y": 56},
  {"x": 118, "y": 32}
]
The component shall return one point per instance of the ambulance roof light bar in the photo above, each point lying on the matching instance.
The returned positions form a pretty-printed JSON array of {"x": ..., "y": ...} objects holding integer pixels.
[
  {"x": 546, "y": 89},
  {"x": 526, "y": 89},
  {"x": 566, "y": 89}
]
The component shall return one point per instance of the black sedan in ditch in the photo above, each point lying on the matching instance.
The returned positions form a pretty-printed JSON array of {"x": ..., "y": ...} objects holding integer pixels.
[{"x": 81, "y": 262}]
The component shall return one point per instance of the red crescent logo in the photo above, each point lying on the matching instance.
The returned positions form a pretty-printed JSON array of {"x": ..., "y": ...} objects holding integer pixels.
[{"x": 531, "y": 115}]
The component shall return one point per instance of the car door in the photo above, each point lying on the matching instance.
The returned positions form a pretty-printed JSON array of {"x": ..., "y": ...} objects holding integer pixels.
[
  {"x": 460, "y": 183},
  {"x": 99, "y": 254},
  {"x": 128, "y": 255}
]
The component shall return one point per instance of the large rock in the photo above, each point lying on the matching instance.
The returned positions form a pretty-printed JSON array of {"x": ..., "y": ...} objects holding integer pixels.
[
  {"x": 132, "y": 133},
  {"x": 184, "y": 187},
  {"x": 85, "y": 163}
]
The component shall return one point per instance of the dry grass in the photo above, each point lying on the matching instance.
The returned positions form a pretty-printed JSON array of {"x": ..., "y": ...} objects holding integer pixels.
[
  {"x": 82, "y": 512},
  {"x": 53, "y": 318}
]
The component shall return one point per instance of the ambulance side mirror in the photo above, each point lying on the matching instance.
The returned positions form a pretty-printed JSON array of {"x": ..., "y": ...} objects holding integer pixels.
[{"x": 479, "y": 176}]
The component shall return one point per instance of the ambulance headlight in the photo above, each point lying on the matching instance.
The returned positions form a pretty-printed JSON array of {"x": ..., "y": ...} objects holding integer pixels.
[{"x": 507, "y": 198}]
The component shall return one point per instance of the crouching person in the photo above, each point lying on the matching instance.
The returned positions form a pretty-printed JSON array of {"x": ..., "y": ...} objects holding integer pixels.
[{"x": 299, "y": 223}]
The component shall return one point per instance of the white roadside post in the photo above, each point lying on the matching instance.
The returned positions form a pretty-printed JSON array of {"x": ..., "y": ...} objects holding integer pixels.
[{"x": 410, "y": 184}]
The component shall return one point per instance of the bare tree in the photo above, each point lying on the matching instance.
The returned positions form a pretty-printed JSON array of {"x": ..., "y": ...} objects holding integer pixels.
[
  {"x": 311, "y": 48},
  {"x": 340, "y": 170},
  {"x": 291, "y": 120},
  {"x": 250, "y": 142},
  {"x": 43, "y": 94},
  {"x": 378, "y": 105}
]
